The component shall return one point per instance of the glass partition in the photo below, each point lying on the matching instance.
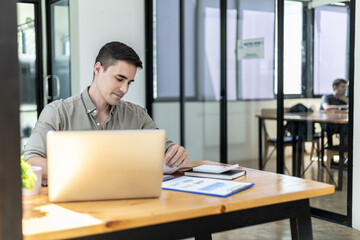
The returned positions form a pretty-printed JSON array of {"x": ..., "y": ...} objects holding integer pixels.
[
  {"x": 331, "y": 51},
  {"x": 27, "y": 63},
  {"x": 60, "y": 51},
  {"x": 312, "y": 60},
  {"x": 317, "y": 54},
  {"x": 166, "y": 81},
  {"x": 250, "y": 67}
]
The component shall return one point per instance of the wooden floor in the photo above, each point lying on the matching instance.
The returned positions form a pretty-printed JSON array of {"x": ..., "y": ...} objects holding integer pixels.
[
  {"x": 281, "y": 230},
  {"x": 335, "y": 203}
]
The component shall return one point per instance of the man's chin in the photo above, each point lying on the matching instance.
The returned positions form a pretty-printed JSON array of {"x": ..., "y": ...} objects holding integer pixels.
[{"x": 114, "y": 101}]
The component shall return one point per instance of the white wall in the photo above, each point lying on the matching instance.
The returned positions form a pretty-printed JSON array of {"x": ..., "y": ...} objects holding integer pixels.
[
  {"x": 94, "y": 23},
  {"x": 356, "y": 141}
]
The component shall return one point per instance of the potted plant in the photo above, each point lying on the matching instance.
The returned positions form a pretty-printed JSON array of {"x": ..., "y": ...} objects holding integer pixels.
[{"x": 28, "y": 177}]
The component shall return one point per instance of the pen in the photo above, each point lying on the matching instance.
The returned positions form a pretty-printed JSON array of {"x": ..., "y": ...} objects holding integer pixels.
[{"x": 232, "y": 166}]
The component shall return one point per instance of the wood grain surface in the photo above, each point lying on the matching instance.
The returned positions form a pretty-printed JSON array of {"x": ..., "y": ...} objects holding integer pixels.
[{"x": 45, "y": 220}]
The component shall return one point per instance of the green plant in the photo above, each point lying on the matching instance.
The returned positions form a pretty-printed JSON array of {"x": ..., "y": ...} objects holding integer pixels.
[{"x": 27, "y": 175}]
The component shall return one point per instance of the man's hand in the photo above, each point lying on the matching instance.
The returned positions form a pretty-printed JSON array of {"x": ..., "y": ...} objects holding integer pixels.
[
  {"x": 176, "y": 156},
  {"x": 344, "y": 99}
]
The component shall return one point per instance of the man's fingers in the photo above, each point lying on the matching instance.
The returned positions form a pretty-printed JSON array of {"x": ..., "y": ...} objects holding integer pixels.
[
  {"x": 175, "y": 158},
  {"x": 180, "y": 158},
  {"x": 171, "y": 151}
]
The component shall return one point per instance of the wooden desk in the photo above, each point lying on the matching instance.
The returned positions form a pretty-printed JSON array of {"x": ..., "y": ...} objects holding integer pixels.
[
  {"x": 176, "y": 214},
  {"x": 335, "y": 117}
]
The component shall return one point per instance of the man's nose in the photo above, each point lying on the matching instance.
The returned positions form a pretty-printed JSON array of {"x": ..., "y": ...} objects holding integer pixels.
[{"x": 124, "y": 87}]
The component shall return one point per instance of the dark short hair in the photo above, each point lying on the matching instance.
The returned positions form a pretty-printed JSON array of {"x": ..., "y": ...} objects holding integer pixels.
[
  {"x": 338, "y": 81},
  {"x": 115, "y": 51}
]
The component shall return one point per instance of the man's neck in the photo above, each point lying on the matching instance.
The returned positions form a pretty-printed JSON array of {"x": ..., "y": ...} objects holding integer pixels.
[{"x": 337, "y": 95}]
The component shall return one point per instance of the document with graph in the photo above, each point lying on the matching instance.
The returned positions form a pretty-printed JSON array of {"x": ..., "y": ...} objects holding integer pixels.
[{"x": 207, "y": 186}]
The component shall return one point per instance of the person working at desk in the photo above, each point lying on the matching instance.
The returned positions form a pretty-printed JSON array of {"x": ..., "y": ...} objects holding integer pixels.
[
  {"x": 99, "y": 107},
  {"x": 337, "y": 100}
]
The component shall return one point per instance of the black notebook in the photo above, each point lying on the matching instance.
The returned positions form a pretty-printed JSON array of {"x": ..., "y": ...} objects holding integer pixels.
[{"x": 231, "y": 174}]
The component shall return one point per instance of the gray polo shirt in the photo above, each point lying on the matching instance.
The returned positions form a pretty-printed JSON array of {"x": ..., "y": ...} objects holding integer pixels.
[{"x": 79, "y": 113}]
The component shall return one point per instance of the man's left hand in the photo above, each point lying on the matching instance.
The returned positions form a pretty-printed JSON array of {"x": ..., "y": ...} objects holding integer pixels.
[{"x": 176, "y": 156}]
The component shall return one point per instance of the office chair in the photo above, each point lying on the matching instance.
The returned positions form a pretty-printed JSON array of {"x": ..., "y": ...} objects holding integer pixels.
[{"x": 272, "y": 142}]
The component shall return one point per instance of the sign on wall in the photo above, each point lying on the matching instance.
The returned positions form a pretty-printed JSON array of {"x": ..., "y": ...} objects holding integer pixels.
[{"x": 250, "y": 48}]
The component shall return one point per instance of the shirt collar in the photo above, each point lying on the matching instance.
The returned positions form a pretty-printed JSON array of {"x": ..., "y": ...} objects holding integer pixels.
[{"x": 89, "y": 105}]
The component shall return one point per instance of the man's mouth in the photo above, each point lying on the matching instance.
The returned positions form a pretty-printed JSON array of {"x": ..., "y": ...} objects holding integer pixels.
[{"x": 118, "y": 95}]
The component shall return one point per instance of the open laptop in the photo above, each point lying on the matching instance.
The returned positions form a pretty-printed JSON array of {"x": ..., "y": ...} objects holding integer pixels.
[{"x": 99, "y": 165}]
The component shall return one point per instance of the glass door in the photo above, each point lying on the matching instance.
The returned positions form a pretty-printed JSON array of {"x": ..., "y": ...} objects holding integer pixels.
[
  {"x": 58, "y": 31},
  {"x": 252, "y": 107},
  {"x": 30, "y": 61},
  {"x": 202, "y": 56},
  {"x": 316, "y": 53}
]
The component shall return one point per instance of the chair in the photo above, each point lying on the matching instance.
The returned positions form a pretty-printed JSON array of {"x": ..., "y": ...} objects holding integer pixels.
[
  {"x": 268, "y": 140},
  {"x": 272, "y": 142},
  {"x": 315, "y": 148},
  {"x": 307, "y": 131},
  {"x": 331, "y": 151}
]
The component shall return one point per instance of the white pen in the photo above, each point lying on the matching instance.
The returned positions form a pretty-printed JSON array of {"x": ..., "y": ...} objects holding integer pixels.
[{"x": 232, "y": 166}]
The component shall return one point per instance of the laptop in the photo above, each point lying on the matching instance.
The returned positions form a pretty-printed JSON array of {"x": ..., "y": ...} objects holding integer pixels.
[{"x": 101, "y": 165}]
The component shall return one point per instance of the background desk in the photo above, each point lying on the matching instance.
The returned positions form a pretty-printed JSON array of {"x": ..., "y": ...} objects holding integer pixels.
[
  {"x": 316, "y": 117},
  {"x": 176, "y": 214}
]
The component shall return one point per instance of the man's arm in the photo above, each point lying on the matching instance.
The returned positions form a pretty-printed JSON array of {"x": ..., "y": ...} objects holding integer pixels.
[
  {"x": 175, "y": 155},
  {"x": 327, "y": 106},
  {"x": 42, "y": 162},
  {"x": 35, "y": 149},
  {"x": 344, "y": 99}
]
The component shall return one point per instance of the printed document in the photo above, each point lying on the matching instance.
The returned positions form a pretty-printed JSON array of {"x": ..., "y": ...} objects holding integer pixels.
[{"x": 208, "y": 186}]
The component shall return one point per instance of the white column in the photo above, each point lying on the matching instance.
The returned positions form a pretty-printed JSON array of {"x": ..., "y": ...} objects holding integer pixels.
[{"x": 356, "y": 142}]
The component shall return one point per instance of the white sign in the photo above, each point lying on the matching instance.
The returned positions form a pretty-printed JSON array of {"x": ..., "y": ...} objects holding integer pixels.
[{"x": 250, "y": 48}]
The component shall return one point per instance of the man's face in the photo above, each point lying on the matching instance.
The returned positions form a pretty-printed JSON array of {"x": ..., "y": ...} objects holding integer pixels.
[
  {"x": 341, "y": 89},
  {"x": 114, "y": 83}
]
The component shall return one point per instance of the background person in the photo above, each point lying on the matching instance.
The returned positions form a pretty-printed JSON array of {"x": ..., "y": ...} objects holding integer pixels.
[{"x": 337, "y": 100}]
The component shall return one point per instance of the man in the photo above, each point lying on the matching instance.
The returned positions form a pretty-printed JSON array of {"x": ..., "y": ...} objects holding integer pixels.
[
  {"x": 99, "y": 107},
  {"x": 337, "y": 100}
]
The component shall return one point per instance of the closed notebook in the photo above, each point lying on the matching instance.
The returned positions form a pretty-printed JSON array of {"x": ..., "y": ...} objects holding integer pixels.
[{"x": 231, "y": 174}]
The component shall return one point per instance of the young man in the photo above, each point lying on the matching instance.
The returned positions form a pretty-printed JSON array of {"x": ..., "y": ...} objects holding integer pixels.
[
  {"x": 337, "y": 100},
  {"x": 99, "y": 107}
]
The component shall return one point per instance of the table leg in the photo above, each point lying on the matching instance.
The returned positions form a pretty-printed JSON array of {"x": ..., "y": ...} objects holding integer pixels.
[
  {"x": 260, "y": 144},
  {"x": 341, "y": 156},
  {"x": 322, "y": 145},
  {"x": 301, "y": 224},
  {"x": 294, "y": 133},
  {"x": 299, "y": 155}
]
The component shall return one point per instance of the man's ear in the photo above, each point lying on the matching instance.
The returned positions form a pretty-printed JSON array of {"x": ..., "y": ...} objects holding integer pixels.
[{"x": 97, "y": 68}]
